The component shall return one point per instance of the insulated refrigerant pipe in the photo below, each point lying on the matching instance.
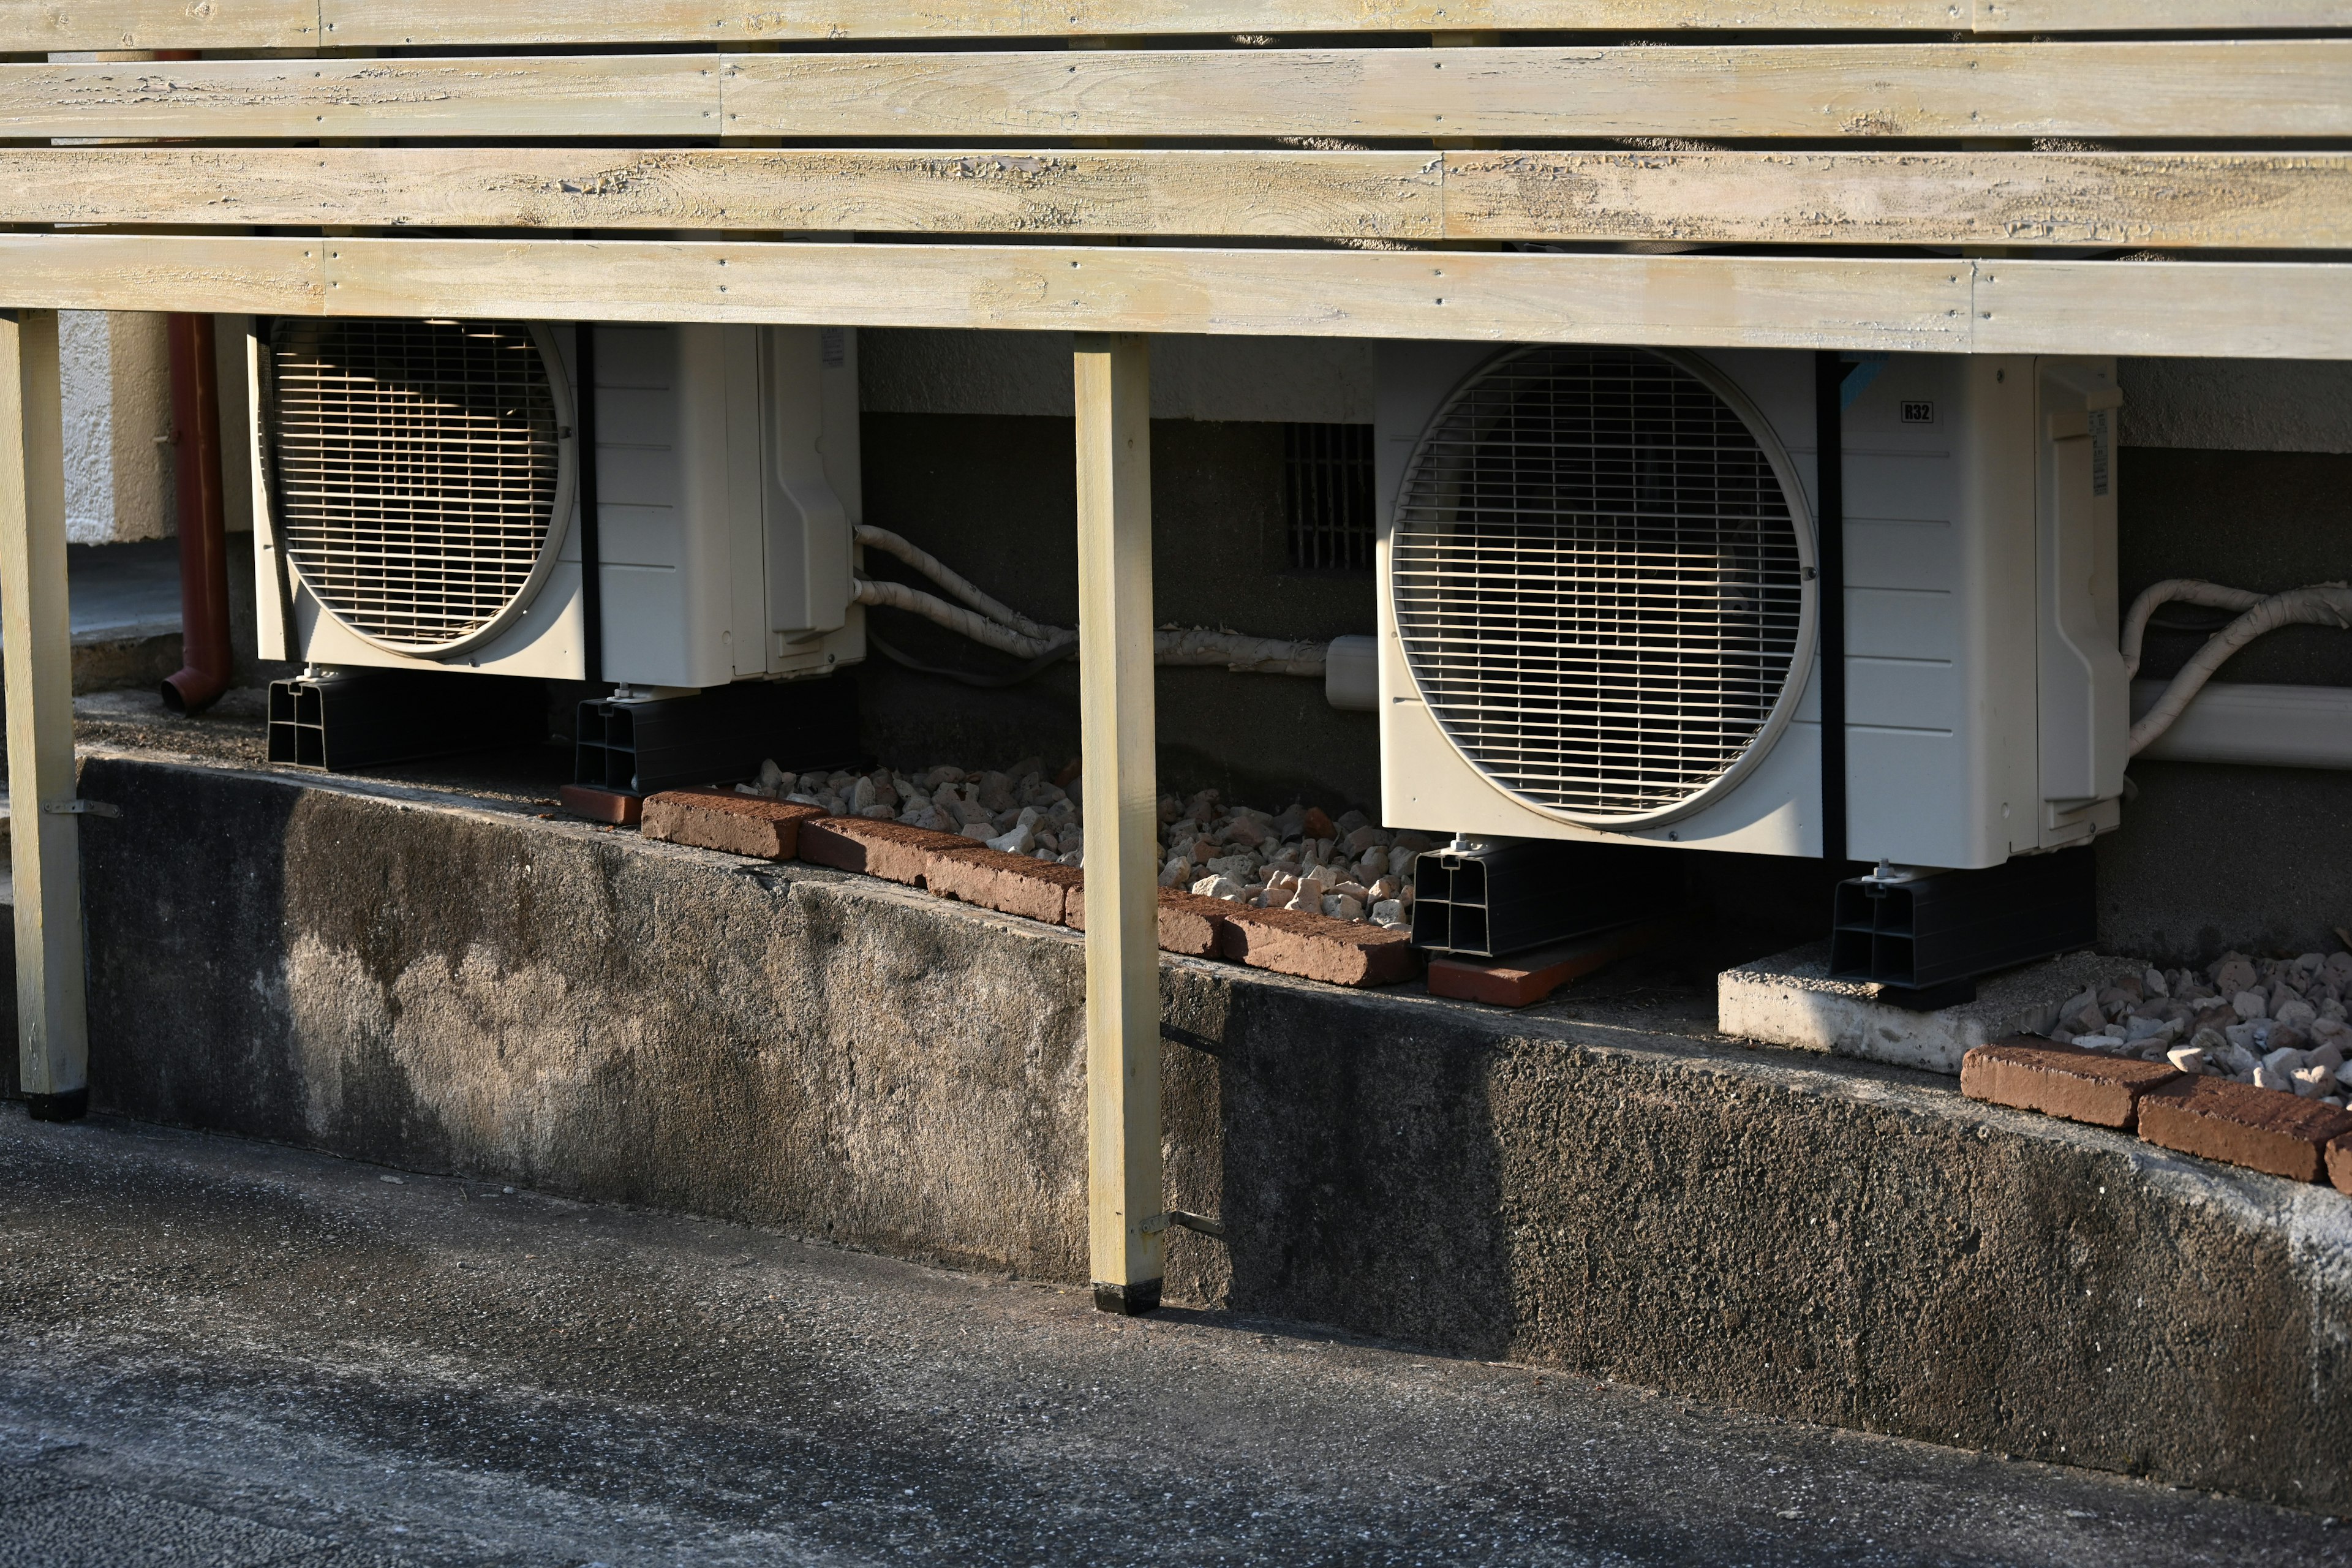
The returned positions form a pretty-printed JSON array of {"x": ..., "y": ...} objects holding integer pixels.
[
  {"x": 205, "y": 654},
  {"x": 2327, "y": 604}
]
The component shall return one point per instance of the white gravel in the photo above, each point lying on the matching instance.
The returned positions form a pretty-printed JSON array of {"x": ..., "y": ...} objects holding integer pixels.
[
  {"x": 2276, "y": 1023},
  {"x": 1301, "y": 858}
]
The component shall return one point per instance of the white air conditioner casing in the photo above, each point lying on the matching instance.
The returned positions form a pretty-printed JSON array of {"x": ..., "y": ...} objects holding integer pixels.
[
  {"x": 727, "y": 490},
  {"x": 1987, "y": 707}
]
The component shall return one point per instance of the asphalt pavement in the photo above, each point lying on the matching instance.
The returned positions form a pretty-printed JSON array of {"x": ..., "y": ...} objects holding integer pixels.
[{"x": 232, "y": 1355}]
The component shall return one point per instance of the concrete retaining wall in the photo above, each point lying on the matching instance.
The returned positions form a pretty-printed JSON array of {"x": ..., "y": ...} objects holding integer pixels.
[{"x": 460, "y": 988}]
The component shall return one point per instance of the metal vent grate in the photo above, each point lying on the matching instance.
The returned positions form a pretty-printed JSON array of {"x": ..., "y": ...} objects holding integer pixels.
[
  {"x": 1599, "y": 583},
  {"x": 1328, "y": 484},
  {"x": 417, "y": 472}
]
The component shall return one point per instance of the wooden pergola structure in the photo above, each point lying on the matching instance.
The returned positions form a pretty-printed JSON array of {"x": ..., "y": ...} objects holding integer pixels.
[{"x": 1928, "y": 176}]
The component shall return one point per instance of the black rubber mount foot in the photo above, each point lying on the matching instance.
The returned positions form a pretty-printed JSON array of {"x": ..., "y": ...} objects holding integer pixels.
[
  {"x": 1930, "y": 998},
  {"x": 1127, "y": 1300},
  {"x": 70, "y": 1106}
]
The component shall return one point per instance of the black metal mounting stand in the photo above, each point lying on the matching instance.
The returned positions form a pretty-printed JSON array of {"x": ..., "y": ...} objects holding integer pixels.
[
  {"x": 1926, "y": 938},
  {"x": 1490, "y": 900},
  {"x": 365, "y": 719},
  {"x": 716, "y": 736}
]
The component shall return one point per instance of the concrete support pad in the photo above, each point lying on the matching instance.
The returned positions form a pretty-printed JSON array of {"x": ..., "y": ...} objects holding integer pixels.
[
  {"x": 457, "y": 986},
  {"x": 1791, "y": 1000}
]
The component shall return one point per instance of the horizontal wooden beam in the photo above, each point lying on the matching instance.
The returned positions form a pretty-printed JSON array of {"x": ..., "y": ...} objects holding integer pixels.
[
  {"x": 2246, "y": 200},
  {"x": 2248, "y": 310},
  {"x": 71, "y": 25},
  {"x": 2300, "y": 88}
]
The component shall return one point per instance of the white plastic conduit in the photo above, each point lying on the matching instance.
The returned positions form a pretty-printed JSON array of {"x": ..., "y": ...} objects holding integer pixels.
[
  {"x": 2252, "y": 725},
  {"x": 2327, "y": 605}
]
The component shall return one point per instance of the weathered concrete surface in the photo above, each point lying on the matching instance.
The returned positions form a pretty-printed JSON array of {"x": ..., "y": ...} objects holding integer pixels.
[
  {"x": 1789, "y": 1000},
  {"x": 226, "y": 1354},
  {"x": 465, "y": 988}
]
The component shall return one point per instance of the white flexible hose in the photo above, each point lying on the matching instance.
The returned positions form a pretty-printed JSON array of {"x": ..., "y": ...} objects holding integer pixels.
[
  {"x": 999, "y": 625},
  {"x": 962, "y": 622},
  {"x": 2184, "y": 589},
  {"x": 1242, "y": 655},
  {"x": 2329, "y": 605},
  {"x": 954, "y": 581},
  {"x": 1170, "y": 646}
]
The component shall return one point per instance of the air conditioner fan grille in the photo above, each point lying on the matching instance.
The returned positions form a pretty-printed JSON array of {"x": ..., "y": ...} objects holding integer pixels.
[
  {"x": 1597, "y": 582},
  {"x": 416, "y": 468}
]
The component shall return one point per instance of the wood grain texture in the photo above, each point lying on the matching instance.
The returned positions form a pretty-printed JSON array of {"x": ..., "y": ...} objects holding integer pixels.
[
  {"x": 2300, "y": 88},
  {"x": 2258, "y": 310},
  {"x": 45, "y": 24},
  {"x": 2278, "y": 309},
  {"x": 2177, "y": 88},
  {"x": 1116, "y": 707},
  {"x": 608, "y": 95},
  {"x": 1764, "y": 301},
  {"x": 2157, "y": 16},
  {"x": 40, "y": 26},
  {"x": 52, "y": 1032},
  {"x": 2181, "y": 200},
  {"x": 1374, "y": 194}
]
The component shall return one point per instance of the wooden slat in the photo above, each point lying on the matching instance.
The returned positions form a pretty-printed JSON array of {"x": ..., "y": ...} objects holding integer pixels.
[
  {"x": 39, "y": 25},
  {"x": 2157, "y": 15},
  {"x": 2200, "y": 199},
  {"x": 60, "y": 25},
  {"x": 2177, "y": 88},
  {"x": 1377, "y": 195},
  {"x": 591, "y": 95},
  {"x": 2259, "y": 310},
  {"x": 2178, "y": 200},
  {"x": 2290, "y": 309},
  {"x": 2301, "y": 88},
  {"x": 1118, "y": 288}
]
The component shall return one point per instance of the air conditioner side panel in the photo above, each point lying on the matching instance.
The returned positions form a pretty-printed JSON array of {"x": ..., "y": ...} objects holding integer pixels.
[
  {"x": 2085, "y": 694},
  {"x": 273, "y": 635},
  {"x": 809, "y": 518},
  {"x": 1939, "y": 563},
  {"x": 663, "y": 481}
]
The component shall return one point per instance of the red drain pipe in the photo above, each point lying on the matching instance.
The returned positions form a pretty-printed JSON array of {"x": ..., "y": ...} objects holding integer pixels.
[
  {"x": 203, "y": 543},
  {"x": 204, "y": 647}
]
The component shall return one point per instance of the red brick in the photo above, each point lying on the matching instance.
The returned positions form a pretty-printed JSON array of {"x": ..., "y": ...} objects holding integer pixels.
[
  {"x": 2032, "y": 1074},
  {"x": 890, "y": 850},
  {"x": 2339, "y": 1164},
  {"x": 1526, "y": 979},
  {"x": 722, "y": 819},
  {"x": 1318, "y": 947},
  {"x": 1190, "y": 924},
  {"x": 2261, "y": 1129},
  {"x": 611, "y": 806},
  {"x": 1009, "y": 884}
]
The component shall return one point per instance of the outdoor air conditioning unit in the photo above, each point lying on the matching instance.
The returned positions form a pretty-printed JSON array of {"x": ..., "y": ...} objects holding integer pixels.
[
  {"x": 419, "y": 487},
  {"x": 1600, "y": 611}
]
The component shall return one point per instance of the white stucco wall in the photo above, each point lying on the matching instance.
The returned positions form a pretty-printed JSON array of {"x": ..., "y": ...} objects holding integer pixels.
[{"x": 117, "y": 373}]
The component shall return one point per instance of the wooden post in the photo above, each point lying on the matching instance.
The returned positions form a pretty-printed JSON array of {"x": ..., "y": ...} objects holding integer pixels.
[
  {"x": 37, "y": 647},
  {"x": 1121, "y": 793}
]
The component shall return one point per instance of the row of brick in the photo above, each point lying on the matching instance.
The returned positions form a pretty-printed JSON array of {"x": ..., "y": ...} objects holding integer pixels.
[
  {"x": 1288, "y": 942},
  {"x": 2261, "y": 1129}
]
